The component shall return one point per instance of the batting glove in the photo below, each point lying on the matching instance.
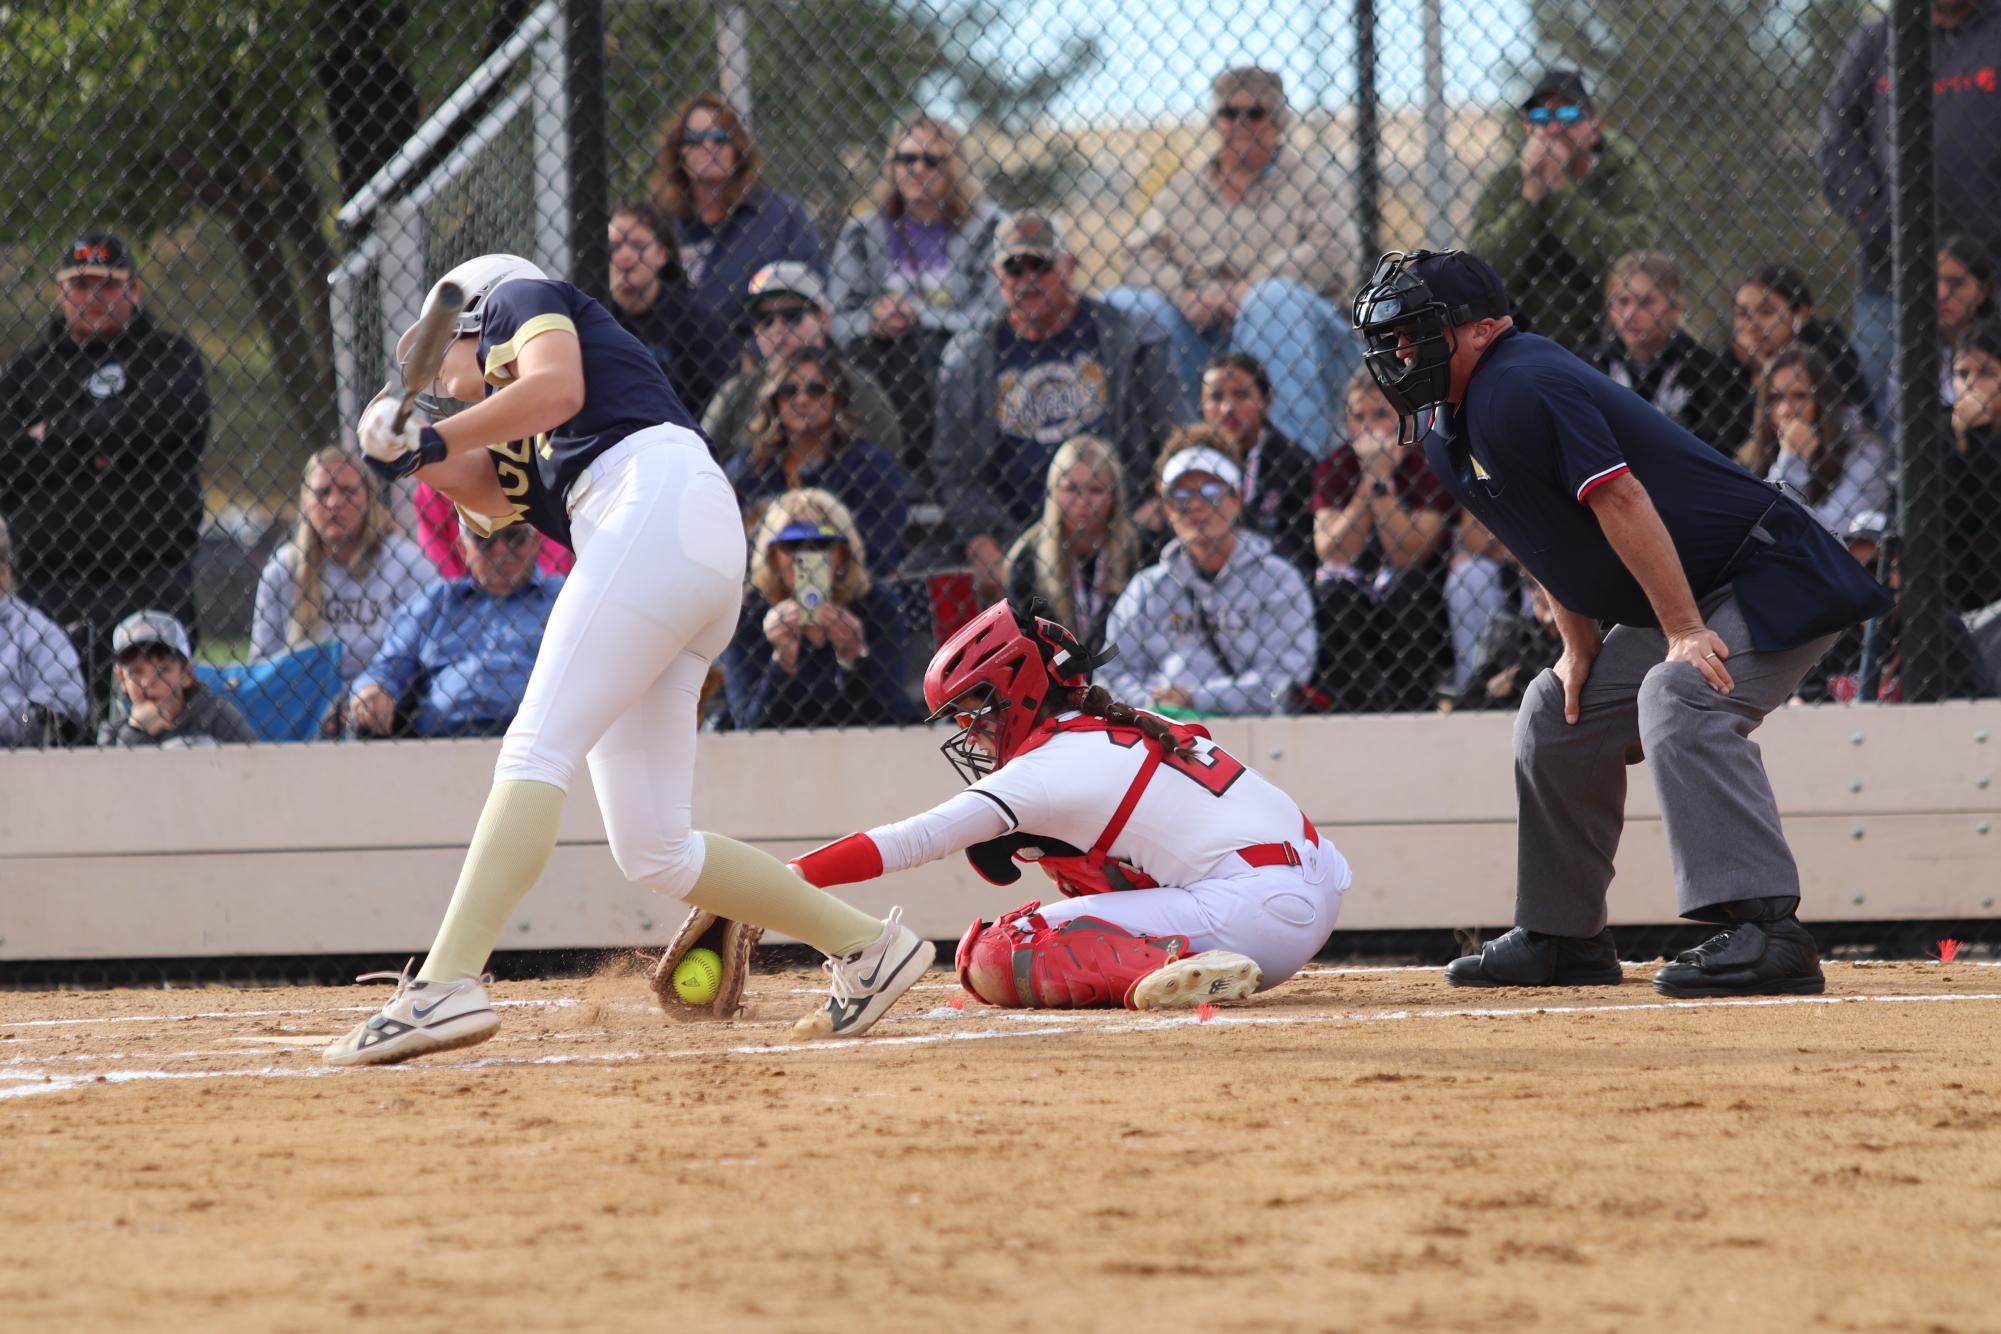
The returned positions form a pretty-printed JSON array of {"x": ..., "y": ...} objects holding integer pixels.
[{"x": 393, "y": 454}]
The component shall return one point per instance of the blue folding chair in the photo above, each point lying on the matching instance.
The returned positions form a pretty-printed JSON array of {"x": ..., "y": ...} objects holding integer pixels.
[{"x": 283, "y": 698}]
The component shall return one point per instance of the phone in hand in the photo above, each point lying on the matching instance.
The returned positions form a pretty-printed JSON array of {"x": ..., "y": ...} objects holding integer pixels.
[{"x": 812, "y": 581}]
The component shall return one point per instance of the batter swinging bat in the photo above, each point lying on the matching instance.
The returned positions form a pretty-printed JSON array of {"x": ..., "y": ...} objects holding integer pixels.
[{"x": 436, "y": 327}]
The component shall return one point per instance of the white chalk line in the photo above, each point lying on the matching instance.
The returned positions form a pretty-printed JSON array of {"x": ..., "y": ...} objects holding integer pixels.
[{"x": 1050, "y": 1025}]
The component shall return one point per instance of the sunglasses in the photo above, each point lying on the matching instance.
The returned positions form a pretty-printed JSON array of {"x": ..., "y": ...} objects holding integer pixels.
[
  {"x": 1022, "y": 266},
  {"x": 1251, "y": 114},
  {"x": 810, "y": 388},
  {"x": 1564, "y": 115},
  {"x": 1181, "y": 497},
  {"x": 513, "y": 536},
  {"x": 931, "y": 160},
  {"x": 696, "y": 138},
  {"x": 789, "y": 316},
  {"x": 328, "y": 495}
]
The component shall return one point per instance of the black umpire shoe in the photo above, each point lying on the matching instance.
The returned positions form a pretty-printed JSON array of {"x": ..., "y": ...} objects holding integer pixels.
[
  {"x": 1525, "y": 958},
  {"x": 1764, "y": 952}
]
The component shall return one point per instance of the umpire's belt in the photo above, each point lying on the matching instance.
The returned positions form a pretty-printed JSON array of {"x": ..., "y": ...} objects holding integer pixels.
[{"x": 1280, "y": 854}]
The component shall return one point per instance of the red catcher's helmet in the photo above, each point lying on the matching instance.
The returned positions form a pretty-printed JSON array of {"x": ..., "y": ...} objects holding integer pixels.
[{"x": 994, "y": 674}]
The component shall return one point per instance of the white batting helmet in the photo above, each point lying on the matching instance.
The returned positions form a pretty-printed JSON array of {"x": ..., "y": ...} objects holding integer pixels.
[{"x": 480, "y": 276}]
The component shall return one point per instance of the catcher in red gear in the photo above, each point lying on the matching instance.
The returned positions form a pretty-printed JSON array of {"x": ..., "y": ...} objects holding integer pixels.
[{"x": 1187, "y": 877}]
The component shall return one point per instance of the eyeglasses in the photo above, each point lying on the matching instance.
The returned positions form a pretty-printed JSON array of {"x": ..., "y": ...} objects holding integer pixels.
[
  {"x": 789, "y": 316},
  {"x": 1181, "y": 497},
  {"x": 811, "y": 388},
  {"x": 696, "y": 138},
  {"x": 1025, "y": 266},
  {"x": 1563, "y": 115},
  {"x": 931, "y": 160}
]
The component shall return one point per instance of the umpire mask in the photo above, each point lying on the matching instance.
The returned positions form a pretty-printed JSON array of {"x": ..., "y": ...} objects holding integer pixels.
[{"x": 1406, "y": 313}]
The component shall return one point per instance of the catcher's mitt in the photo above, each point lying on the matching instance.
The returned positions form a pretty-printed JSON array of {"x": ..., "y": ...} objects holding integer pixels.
[{"x": 733, "y": 941}]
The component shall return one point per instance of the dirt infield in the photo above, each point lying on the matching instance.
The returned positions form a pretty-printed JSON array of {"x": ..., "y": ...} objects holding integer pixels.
[{"x": 1364, "y": 1149}]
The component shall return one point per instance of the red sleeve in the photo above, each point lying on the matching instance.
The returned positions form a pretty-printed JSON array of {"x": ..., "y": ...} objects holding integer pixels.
[
  {"x": 842, "y": 862},
  {"x": 1419, "y": 487},
  {"x": 1334, "y": 478}
]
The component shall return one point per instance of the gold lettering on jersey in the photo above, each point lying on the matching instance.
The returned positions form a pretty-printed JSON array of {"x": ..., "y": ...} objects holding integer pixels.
[
  {"x": 514, "y": 466},
  {"x": 544, "y": 445}
]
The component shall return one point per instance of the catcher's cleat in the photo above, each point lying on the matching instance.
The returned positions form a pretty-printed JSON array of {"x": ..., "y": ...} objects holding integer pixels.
[
  {"x": 867, "y": 982},
  {"x": 422, "y": 1017},
  {"x": 1212, "y": 977}
]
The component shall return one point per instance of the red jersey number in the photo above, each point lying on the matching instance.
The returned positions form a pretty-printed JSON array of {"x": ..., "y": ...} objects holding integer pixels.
[{"x": 1213, "y": 768}]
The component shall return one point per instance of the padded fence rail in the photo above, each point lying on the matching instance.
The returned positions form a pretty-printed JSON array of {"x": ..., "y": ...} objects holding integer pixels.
[{"x": 352, "y": 850}]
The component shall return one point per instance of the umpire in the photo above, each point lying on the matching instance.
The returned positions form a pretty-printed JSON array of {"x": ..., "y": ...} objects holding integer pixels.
[{"x": 1691, "y": 597}]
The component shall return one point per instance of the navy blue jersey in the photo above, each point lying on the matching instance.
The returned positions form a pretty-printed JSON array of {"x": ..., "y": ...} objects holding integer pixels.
[
  {"x": 624, "y": 391},
  {"x": 1539, "y": 429}
]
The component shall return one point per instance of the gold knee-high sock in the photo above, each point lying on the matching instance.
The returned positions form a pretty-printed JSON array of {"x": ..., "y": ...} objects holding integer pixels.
[
  {"x": 510, "y": 846},
  {"x": 745, "y": 885}
]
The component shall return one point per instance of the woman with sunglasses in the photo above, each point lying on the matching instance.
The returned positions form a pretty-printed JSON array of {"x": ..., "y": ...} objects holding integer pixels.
[
  {"x": 805, "y": 434},
  {"x": 727, "y": 222},
  {"x": 913, "y": 271},
  {"x": 1188, "y": 876},
  {"x": 821, "y": 645},
  {"x": 1221, "y": 625},
  {"x": 574, "y": 430},
  {"x": 1240, "y": 253}
]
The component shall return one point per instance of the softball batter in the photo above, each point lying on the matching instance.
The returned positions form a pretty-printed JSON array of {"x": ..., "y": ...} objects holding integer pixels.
[
  {"x": 1222, "y": 886},
  {"x": 576, "y": 431}
]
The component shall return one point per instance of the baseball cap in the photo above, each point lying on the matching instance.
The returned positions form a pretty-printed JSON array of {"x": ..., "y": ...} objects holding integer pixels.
[
  {"x": 808, "y": 532},
  {"x": 143, "y": 628},
  {"x": 787, "y": 277},
  {"x": 1202, "y": 459},
  {"x": 1565, "y": 85},
  {"x": 1867, "y": 526},
  {"x": 95, "y": 255},
  {"x": 1467, "y": 285},
  {"x": 1029, "y": 232}
]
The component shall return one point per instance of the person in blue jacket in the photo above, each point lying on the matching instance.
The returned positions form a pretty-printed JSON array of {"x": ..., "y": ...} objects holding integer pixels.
[{"x": 1691, "y": 597}]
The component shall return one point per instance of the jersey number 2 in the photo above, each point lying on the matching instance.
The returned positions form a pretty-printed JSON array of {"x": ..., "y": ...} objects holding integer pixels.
[{"x": 1213, "y": 768}]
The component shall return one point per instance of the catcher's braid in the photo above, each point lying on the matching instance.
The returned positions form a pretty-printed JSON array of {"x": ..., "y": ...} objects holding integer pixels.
[{"x": 1098, "y": 702}]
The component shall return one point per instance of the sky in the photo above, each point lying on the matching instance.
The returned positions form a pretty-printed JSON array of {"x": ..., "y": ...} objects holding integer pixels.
[{"x": 1160, "y": 54}]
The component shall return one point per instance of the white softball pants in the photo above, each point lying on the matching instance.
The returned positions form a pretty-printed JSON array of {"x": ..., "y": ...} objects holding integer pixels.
[
  {"x": 1278, "y": 915},
  {"x": 654, "y": 598}
]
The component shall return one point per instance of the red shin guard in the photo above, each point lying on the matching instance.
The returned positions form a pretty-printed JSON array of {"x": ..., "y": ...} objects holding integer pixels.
[{"x": 1022, "y": 962}]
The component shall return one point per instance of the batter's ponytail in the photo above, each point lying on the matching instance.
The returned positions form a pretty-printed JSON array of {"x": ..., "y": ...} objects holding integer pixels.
[{"x": 1098, "y": 702}]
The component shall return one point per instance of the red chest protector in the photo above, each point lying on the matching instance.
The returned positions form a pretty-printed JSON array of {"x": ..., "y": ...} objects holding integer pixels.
[{"x": 1078, "y": 872}]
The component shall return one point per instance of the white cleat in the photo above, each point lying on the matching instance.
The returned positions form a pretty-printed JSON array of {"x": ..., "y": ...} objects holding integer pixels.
[
  {"x": 422, "y": 1017},
  {"x": 867, "y": 982},
  {"x": 1209, "y": 978}
]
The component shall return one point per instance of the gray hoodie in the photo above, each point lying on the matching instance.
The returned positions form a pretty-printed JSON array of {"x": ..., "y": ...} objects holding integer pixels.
[
  {"x": 1238, "y": 643},
  {"x": 859, "y": 273}
]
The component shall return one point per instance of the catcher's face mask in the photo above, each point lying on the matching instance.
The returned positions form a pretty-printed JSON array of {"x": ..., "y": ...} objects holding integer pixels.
[{"x": 974, "y": 750}]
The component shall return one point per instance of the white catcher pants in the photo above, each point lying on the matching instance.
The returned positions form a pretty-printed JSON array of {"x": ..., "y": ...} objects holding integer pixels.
[
  {"x": 654, "y": 598},
  {"x": 1278, "y": 915}
]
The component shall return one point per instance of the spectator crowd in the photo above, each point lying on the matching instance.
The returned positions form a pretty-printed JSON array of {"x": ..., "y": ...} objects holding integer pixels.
[{"x": 933, "y": 412}]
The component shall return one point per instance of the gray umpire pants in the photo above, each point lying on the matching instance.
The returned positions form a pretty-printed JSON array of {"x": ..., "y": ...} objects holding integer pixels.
[{"x": 1716, "y": 801}]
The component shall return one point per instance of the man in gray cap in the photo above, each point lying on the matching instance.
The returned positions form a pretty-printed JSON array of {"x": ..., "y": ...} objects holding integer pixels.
[
  {"x": 164, "y": 704},
  {"x": 1553, "y": 221},
  {"x": 1054, "y": 365},
  {"x": 790, "y": 312},
  {"x": 102, "y": 430}
]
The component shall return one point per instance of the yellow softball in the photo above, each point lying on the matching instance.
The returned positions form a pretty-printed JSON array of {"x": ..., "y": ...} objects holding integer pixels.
[{"x": 698, "y": 976}]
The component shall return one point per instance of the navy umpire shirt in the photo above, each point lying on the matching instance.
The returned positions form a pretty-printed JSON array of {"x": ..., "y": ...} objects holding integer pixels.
[{"x": 1539, "y": 430}]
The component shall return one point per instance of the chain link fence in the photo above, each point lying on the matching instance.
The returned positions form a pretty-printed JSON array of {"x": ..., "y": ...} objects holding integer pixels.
[{"x": 968, "y": 299}]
